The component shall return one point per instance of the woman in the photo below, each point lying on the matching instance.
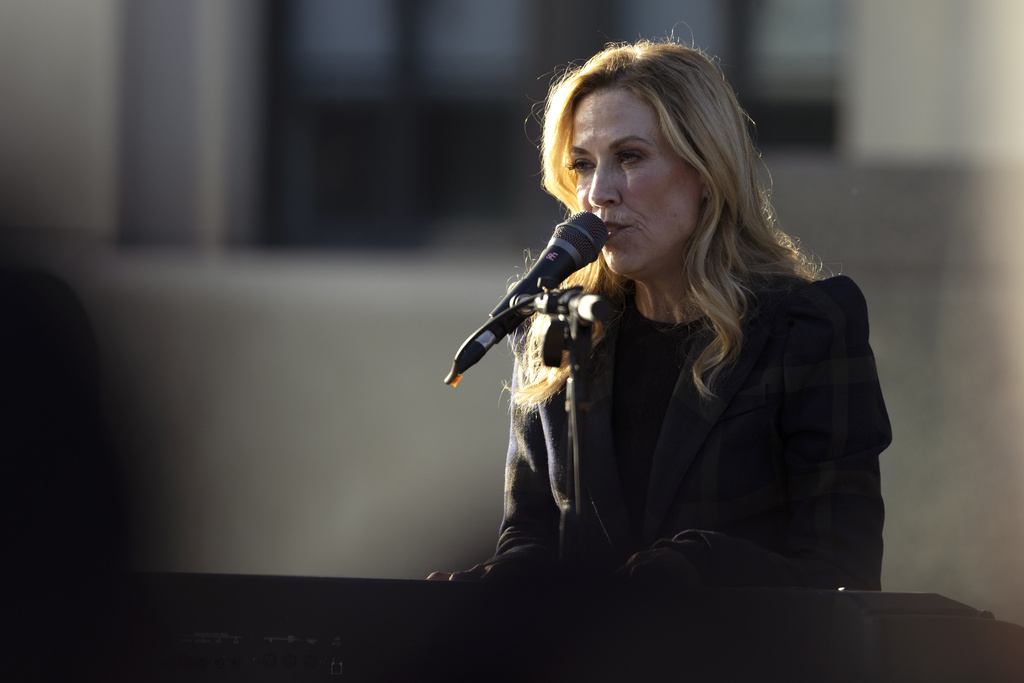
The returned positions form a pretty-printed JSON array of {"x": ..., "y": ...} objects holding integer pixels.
[{"x": 736, "y": 417}]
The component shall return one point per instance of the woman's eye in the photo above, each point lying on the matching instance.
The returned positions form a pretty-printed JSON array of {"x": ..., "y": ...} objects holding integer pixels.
[
  {"x": 627, "y": 157},
  {"x": 580, "y": 165}
]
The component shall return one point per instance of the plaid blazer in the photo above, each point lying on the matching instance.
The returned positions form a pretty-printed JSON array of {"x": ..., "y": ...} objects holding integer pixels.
[{"x": 774, "y": 482}]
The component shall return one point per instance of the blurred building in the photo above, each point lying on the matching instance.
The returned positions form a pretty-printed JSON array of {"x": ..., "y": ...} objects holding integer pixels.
[{"x": 407, "y": 123}]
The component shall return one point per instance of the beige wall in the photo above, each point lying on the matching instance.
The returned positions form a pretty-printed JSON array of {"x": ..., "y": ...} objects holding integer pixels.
[
  {"x": 934, "y": 81},
  {"x": 59, "y": 62},
  {"x": 935, "y": 85},
  {"x": 68, "y": 154},
  {"x": 287, "y": 414}
]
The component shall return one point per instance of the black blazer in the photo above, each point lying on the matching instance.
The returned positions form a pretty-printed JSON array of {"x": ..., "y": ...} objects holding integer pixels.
[{"x": 775, "y": 482}]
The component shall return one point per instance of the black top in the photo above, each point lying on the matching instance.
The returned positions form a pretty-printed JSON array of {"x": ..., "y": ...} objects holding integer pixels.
[{"x": 648, "y": 359}]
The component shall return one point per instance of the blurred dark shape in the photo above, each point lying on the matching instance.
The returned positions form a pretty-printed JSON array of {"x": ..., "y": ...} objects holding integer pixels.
[
  {"x": 64, "y": 519},
  {"x": 214, "y": 627}
]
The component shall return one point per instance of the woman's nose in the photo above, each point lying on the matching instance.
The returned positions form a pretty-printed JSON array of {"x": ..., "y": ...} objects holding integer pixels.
[{"x": 604, "y": 189}]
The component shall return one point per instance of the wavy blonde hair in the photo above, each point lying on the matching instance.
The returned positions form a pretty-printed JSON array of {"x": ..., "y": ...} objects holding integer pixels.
[{"x": 736, "y": 239}]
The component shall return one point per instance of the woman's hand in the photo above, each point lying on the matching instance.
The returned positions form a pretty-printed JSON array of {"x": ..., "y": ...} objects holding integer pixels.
[
  {"x": 501, "y": 570},
  {"x": 481, "y": 572},
  {"x": 474, "y": 574},
  {"x": 661, "y": 566}
]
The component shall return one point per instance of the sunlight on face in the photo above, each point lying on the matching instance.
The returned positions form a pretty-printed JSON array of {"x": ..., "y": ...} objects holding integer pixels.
[{"x": 629, "y": 176}]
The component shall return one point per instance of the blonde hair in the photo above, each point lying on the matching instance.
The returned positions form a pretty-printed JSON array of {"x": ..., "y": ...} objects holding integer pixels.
[{"x": 735, "y": 241}]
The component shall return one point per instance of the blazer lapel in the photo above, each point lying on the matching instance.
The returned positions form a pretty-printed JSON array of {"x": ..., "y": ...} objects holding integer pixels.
[{"x": 688, "y": 421}]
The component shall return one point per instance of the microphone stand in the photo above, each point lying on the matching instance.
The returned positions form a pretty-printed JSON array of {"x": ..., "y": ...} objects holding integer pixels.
[{"x": 571, "y": 315}]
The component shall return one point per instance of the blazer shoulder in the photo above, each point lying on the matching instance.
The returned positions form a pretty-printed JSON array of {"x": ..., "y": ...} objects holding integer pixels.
[{"x": 790, "y": 295}]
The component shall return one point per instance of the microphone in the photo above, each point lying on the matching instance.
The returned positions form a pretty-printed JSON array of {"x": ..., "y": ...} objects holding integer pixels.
[{"x": 575, "y": 243}]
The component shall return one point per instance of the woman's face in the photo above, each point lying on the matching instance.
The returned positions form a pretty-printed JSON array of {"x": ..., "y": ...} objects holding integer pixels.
[{"x": 629, "y": 176}]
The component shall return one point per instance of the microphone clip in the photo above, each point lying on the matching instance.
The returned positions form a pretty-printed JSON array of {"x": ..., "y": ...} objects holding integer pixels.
[
  {"x": 568, "y": 303},
  {"x": 565, "y": 313}
]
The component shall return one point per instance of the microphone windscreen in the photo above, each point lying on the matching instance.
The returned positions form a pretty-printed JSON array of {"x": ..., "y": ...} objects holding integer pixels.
[{"x": 585, "y": 232}]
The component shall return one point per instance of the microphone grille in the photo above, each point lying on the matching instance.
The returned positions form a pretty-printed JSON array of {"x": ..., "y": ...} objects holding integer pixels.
[{"x": 584, "y": 231}]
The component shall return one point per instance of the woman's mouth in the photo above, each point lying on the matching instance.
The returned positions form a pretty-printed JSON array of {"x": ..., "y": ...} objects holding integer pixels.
[{"x": 614, "y": 229}]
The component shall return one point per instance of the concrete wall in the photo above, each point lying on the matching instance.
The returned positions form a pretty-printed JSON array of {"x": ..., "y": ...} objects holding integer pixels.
[
  {"x": 59, "y": 118},
  {"x": 287, "y": 415},
  {"x": 933, "y": 81}
]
